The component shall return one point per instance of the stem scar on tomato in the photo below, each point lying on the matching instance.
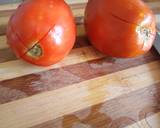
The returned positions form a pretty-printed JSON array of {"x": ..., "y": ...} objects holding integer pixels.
[
  {"x": 35, "y": 51},
  {"x": 145, "y": 33}
]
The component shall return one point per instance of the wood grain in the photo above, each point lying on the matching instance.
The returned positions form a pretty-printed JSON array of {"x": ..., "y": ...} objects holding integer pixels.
[
  {"x": 3, "y": 42},
  {"x": 85, "y": 90},
  {"x": 62, "y": 77},
  {"x": 6, "y": 55},
  {"x": 47, "y": 106},
  {"x": 14, "y": 5},
  {"x": 16, "y": 68},
  {"x": 149, "y": 122},
  {"x": 131, "y": 110}
]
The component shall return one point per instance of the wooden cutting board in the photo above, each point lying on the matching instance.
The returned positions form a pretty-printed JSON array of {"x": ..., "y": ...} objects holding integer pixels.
[{"x": 85, "y": 90}]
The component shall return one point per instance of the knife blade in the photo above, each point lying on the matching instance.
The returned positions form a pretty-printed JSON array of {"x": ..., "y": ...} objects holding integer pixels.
[{"x": 157, "y": 39}]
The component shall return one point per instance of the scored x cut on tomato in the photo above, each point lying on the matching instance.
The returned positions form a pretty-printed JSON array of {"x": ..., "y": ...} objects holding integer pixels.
[
  {"x": 120, "y": 28},
  {"x": 42, "y": 32}
]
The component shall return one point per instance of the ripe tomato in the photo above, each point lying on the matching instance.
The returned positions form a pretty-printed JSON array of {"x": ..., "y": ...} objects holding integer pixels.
[
  {"x": 42, "y": 32},
  {"x": 120, "y": 28}
]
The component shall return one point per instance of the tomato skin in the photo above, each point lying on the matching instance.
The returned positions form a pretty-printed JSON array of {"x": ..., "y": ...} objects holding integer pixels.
[
  {"x": 48, "y": 24},
  {"x": 120, "y": 28}
]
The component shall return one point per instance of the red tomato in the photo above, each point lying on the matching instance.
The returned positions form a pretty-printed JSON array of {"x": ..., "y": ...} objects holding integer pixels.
[
  {"x": 120, "y": 28},
  {"x": 42, "y": 32}
]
